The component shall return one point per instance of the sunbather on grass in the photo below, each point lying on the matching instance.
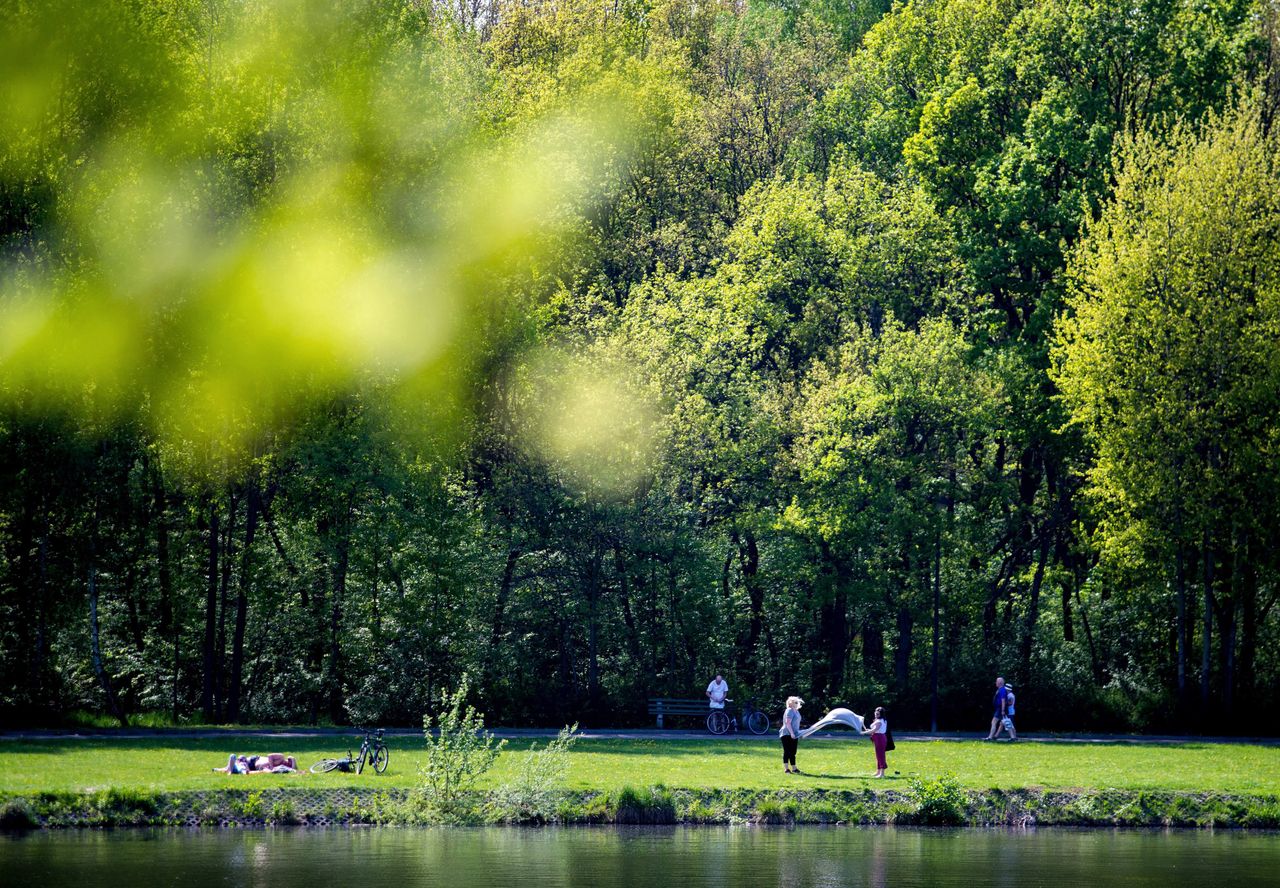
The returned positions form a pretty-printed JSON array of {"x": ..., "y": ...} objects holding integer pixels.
[{"x": 271, "y": 763}]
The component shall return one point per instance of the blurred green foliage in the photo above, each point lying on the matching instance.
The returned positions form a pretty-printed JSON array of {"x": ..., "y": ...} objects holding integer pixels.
[{"x": 859, "y": 352}]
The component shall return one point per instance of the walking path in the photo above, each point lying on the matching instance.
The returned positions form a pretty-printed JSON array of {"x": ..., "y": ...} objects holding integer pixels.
[{"x": 592, "y": 734}]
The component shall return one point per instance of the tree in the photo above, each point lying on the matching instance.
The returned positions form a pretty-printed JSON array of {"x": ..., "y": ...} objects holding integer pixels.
[{"x": 1167, "y": 359}]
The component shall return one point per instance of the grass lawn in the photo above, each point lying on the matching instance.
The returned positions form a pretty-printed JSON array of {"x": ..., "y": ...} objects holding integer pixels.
[{"x": 846, "y": 763}]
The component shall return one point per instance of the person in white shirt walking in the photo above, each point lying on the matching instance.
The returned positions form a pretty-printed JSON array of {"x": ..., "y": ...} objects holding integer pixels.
[{"x": 718, "y": 692}]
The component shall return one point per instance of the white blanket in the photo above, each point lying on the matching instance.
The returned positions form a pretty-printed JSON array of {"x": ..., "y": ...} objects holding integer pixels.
[{"x": 846, "y": 717}]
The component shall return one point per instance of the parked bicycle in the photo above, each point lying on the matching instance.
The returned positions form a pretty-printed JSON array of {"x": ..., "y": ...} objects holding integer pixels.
[
  {"x": 373, "y": 749},
  {"x": 719, "y": 721}
]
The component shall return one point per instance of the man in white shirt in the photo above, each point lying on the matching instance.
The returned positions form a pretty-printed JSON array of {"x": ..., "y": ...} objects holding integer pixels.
[{"x": 718, "y": 691}]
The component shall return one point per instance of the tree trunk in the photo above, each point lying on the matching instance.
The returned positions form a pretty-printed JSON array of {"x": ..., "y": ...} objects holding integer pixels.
[
  {"x": 224, "y": 592},
  {"x": 749, "y": 562},
  {"x": 872, "y": 646},
  {"x": 833, "y": 624},
  {"x": 95, "y": 648},
  {"x": 1068, "y": 625},
  {"x": 593, "y": 629},
  {"x": 1206, "y": 637},
  {"x": 338, "y": 600},
  {"x": 1180, "y": 578},
  {"x": 1094, "y": 664},
  {"x": 242, "y": 601},
  {"x": 937, "y": 608},
  {"x": 499, "y": 615},
  {"x": 42, "y": 627},
  {"x": 1249, "y": 631},
  {"x": 209, "y": 677},
  {"x": 628, "y": 617},
  {"x": 1033, "y": 607},
  {"x": 902, "y": 653},
  {"x": 164, "y": 572}
]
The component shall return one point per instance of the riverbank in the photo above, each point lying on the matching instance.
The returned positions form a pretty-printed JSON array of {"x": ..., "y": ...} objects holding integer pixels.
[{"x": 936, "y": 802}]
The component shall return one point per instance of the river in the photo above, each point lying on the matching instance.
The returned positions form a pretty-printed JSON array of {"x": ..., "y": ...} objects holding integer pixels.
[{"x": 671, "y": 857}]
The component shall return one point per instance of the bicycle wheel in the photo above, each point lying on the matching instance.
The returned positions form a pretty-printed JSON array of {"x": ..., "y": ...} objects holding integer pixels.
[
  {"x": 360, "y": 761},
  {"x": 758, "y": 722},
  {"x": 324, "y": 766},
  {"x": 381, "y": 755},
  {"x": 717, "y": 722}
]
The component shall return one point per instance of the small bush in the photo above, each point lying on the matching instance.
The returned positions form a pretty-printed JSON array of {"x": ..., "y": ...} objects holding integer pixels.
[
  {"x": 650, "y": 805},
  {"x": 251, "y": 805},
  {"x": 459, "y": 752},
  {"x": 538, "y": 790},
  {"x": 120, "y": 806},
  {"x": 773, "y": 811},
  {"x": 16, "y": 814},
  {"x": 939, "y": 802},
  {"x": 282, "y": 813}
]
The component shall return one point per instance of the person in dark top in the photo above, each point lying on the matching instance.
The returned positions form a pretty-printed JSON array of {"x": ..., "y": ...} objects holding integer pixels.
[{"x": 997, "y": 708}]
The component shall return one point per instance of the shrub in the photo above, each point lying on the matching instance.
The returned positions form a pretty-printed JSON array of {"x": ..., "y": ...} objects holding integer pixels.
[
  {"x": 649, "y": 805},
  {"x": 774, "y": 810},
  {"x": 459, "y": 752},
  {"x": 536, "y": 793},
  {"x": 123, "y": 806},
  {"x": 937, "y": 802},
  {"x": 282, "y": 813},
  {"x": 16, "y": 814},
  {"x": 251, "y": 805}
]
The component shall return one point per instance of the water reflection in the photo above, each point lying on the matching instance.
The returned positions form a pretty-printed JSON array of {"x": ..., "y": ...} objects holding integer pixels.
[{"x": 692, "y": 857}]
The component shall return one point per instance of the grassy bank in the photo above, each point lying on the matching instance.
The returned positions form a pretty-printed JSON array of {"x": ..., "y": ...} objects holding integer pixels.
[
  {"x": 167, "y": 781},
  {"x": 939, "y": 802},
  {"x": 163, "y": 764}
]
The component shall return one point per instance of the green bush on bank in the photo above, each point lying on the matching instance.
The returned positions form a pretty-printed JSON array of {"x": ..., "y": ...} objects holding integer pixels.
[
  {"x": 17, "y": 815},
  {"x": 538, "y": 791},
  {"x": 938, "y": 802},
  {"x": 459, "y": 752}
]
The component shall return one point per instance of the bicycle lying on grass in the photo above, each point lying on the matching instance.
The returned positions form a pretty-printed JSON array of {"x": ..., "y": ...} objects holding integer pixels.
[{"x": 373, "y": 749}]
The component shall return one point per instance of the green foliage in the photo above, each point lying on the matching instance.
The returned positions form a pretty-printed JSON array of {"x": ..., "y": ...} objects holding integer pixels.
[
  {"x": 539, "y": 786},
  {"x": 459, "y": 750},
  {"x": 642, "y": 805},
  {"x": 589, "y": 348},
  {"x": 1020, "y": 807},
  {"x": 252, "y": 805},
  {"x": 282, "y": 813},
  {"x": 938, "y": 802},
  {"x": 16, "y": 815}
]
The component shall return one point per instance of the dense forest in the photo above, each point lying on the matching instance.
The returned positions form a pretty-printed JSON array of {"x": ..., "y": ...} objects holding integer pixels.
[{"x": 587, "y": 347}]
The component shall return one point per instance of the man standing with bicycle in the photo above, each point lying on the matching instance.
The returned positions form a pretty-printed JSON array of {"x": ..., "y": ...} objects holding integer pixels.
[{"x": 718, "y": 692}]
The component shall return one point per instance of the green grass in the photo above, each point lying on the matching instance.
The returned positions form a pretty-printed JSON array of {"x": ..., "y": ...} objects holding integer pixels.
[{"x": 161, "y": 763}]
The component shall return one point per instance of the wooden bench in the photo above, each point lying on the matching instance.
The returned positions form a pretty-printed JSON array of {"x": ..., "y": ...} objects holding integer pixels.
[{"x": 663, "y": 706}]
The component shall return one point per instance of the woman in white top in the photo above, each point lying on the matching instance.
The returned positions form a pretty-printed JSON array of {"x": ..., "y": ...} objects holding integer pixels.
[
  {"x": 877, "y": 729},
  {"x": 790, "y": 734}
]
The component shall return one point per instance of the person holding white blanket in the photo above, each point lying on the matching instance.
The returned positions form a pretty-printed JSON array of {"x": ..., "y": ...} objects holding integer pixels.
[
  {"x": 790, "y": 735},
  {"x": 879, "y": 730}
]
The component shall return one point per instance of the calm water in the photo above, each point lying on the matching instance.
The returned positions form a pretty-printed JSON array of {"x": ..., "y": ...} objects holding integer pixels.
[{"x": 638, "y": 858}]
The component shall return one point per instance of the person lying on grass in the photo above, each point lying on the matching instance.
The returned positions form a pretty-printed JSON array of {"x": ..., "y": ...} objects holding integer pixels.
[{"x": 271, "y": 763}]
